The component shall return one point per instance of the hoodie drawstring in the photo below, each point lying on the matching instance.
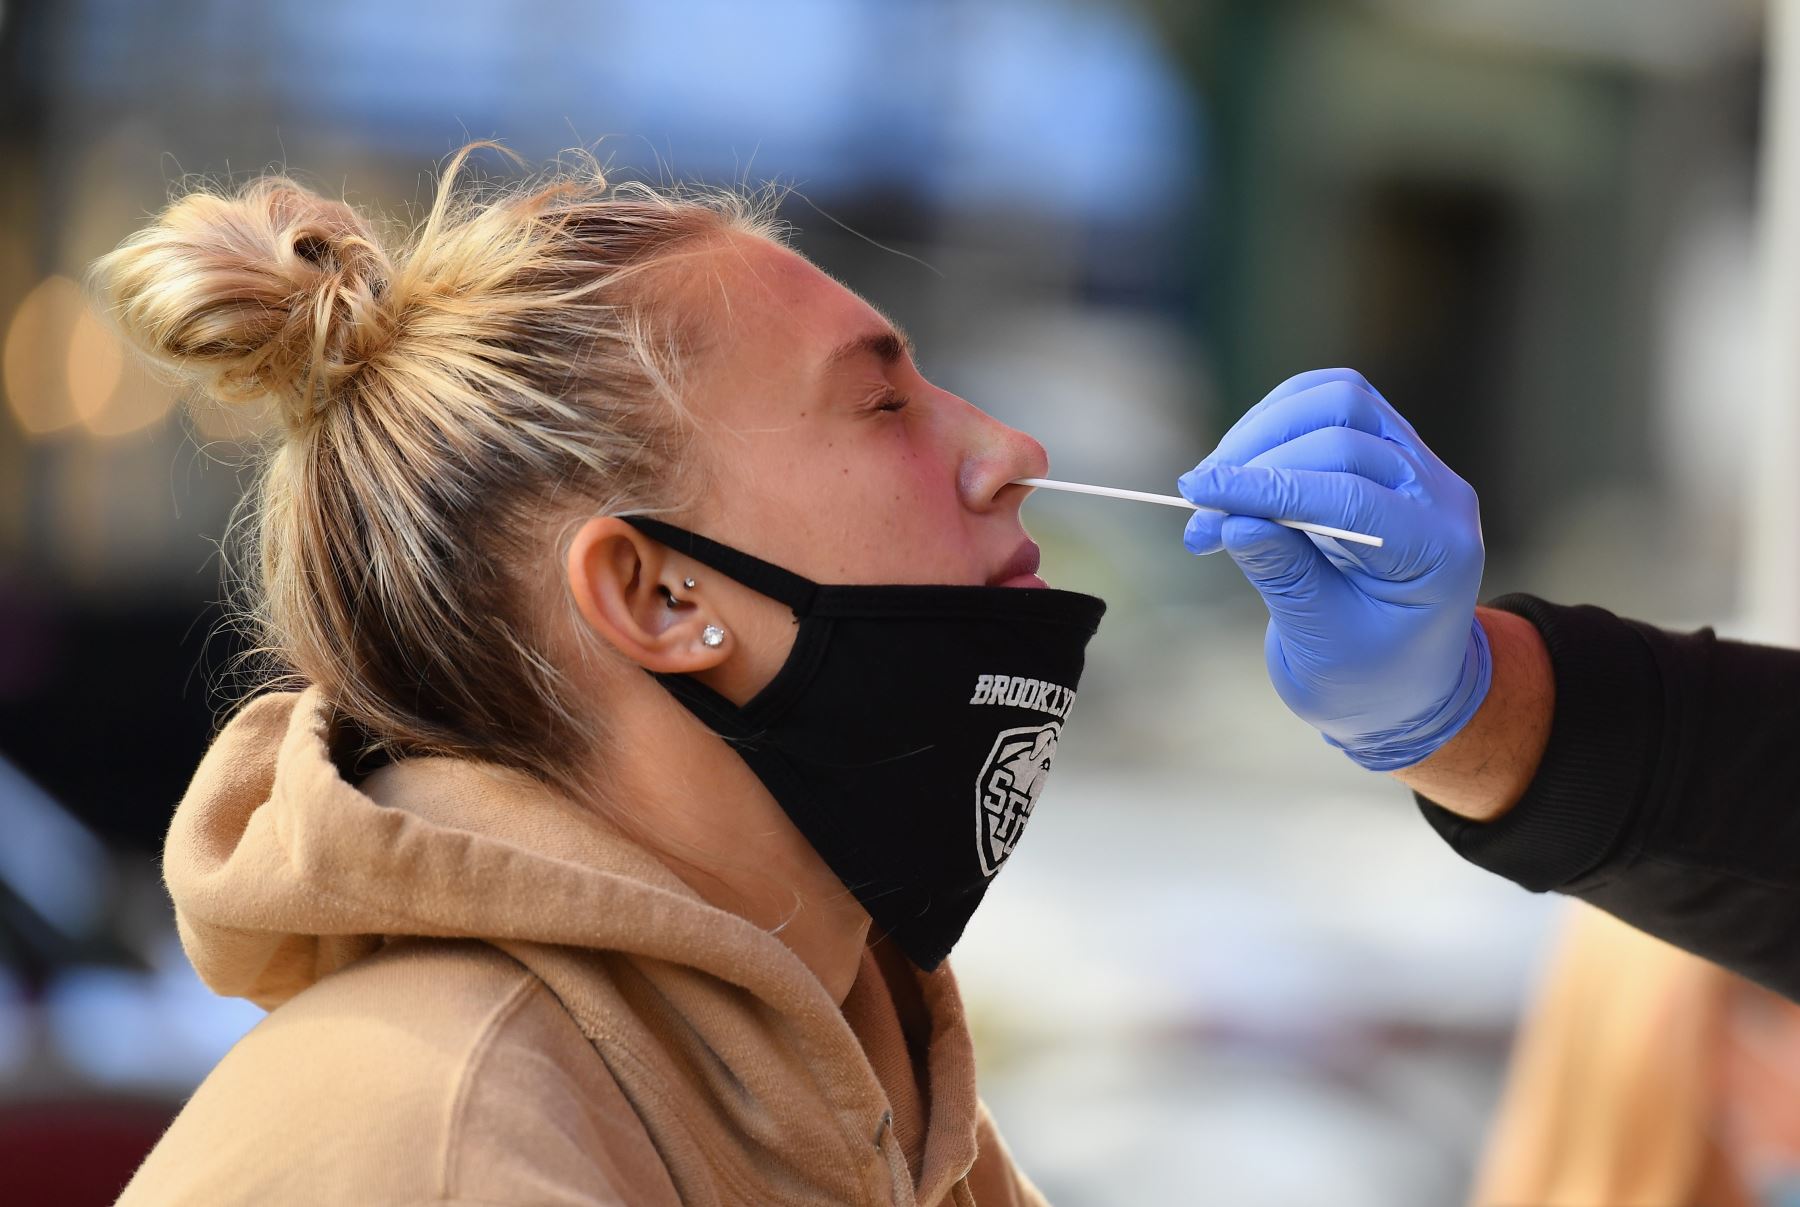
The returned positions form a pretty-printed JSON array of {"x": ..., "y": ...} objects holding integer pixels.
[{"x": 898, "y": 1173}]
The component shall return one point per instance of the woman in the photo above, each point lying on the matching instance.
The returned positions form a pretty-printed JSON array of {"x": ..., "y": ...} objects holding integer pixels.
[{"x": 535, "y": 925}]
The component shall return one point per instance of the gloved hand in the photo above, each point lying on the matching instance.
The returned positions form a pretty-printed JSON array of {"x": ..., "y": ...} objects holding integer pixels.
[{"x": 1378, "y": 649}]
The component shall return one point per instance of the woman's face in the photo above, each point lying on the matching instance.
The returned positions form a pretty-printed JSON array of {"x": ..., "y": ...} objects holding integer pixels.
[{"x": 830, "y": 454}]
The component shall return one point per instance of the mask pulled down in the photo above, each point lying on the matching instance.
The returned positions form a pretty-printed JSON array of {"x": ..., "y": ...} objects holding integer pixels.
[{"x": 909, "y": 733}]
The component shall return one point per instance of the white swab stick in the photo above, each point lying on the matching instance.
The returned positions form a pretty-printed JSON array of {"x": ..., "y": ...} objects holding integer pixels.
[{"x": 1144, "y": 496}]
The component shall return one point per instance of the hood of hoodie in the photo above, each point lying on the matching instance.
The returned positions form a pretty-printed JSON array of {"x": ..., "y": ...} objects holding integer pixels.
[{"x": 282, "y": 871}]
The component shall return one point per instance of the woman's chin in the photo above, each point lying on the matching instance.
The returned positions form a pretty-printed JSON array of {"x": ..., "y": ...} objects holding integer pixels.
[{"x": 1024, "y": 580}]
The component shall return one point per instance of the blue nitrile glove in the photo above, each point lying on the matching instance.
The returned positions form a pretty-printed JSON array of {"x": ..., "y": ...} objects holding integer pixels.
[{"x": 1378, "y": 649}]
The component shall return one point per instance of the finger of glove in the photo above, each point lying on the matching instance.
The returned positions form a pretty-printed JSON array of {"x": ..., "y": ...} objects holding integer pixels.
[
  {"x": 1202, "y": 534},
  {"x": 1345, "y": 450},
  {"x": 1299, "y": 383},
  {"x": 1283, "y": 565},
  {"x": 1338, "y": 500},
  {"x": 1332, "y": 403}
]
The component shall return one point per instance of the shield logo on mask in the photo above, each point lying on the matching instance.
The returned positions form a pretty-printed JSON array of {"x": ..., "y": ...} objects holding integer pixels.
[{"x": 1007, "y": 790}]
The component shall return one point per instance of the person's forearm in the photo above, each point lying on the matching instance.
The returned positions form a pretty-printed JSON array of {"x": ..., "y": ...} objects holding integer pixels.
[{"x": 1484, "y": 770}]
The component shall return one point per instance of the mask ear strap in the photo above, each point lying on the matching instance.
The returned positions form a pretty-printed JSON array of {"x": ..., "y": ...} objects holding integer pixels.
[{"x": 763, "y": 577}]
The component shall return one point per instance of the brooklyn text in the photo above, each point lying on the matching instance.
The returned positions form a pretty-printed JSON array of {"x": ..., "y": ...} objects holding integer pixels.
[{"x": 1017, "y": 692}]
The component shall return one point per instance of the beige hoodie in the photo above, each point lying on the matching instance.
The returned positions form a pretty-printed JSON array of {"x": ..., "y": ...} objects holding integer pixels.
[{"x": 480, "y": 993}]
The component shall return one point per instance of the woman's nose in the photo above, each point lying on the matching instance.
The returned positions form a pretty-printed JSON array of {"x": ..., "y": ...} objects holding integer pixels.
[{"x": 997, "y": 455}]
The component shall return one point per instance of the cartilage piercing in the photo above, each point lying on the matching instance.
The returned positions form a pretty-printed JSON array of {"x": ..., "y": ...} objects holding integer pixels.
[{"x": 687, "y": 584}]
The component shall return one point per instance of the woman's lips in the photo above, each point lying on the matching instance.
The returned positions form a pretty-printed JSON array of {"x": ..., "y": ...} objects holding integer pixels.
[{"x": 1020, "y": 569}]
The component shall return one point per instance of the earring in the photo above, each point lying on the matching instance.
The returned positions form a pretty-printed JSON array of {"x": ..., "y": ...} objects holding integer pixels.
[
  {"x": 688, "y": 584},
  {"x": 712, "y": 637}
]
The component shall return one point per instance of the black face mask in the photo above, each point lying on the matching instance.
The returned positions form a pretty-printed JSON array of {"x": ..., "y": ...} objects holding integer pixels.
[{"x": 909, "y": 732}]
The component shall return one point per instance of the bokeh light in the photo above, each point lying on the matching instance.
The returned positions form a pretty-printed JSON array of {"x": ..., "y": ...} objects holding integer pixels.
[
  {"x": 96, "y": 382},
  {"x": 37, "y": 356},
  {"x": 96, "y": 361},
  {"x": 115, "y": 390}
]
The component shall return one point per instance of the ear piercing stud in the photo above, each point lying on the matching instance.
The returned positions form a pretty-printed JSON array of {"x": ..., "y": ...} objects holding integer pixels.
[
  {"x": 712, "y": 637},
  {"x": 689, "y": 583}
]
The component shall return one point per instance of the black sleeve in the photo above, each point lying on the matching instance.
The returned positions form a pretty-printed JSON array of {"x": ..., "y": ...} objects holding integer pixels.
[{"x": 1669, "y": 792}]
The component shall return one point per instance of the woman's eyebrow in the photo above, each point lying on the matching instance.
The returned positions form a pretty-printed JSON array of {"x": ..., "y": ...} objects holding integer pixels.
[{"x": 890, "y": 345}]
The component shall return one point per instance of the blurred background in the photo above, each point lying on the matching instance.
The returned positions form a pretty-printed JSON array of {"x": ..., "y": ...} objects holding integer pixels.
[{"x": 1231, "y": 968}]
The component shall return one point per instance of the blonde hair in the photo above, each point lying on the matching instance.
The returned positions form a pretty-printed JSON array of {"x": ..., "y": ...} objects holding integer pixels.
[{"x": 444, "y": 407}]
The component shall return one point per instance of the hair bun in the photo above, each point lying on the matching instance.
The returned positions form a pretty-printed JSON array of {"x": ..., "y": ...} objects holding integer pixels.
[{"x": 273, "y": 293}]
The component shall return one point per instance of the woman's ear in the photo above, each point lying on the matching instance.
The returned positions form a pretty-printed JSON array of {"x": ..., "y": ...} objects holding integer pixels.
[{"x": 631, "y": 590}]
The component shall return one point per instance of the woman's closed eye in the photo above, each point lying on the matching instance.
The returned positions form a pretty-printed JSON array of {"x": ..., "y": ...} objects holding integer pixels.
[{"x": 889, "y": 400}]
